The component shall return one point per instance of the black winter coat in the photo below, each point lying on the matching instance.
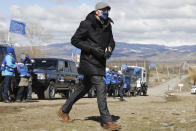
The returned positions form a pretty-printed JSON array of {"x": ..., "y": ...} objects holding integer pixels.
[{"x": 91, "y": 33}]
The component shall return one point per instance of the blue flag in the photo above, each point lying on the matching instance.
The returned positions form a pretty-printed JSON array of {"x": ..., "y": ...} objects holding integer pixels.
[
  {"x": 152, "y": 64},
  {"x": 17, "y": 27},
  {"x": 124, "y": 66}
]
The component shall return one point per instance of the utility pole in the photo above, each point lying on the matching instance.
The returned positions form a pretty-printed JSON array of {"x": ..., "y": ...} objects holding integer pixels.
[
  {"x": 168, "y": 72},
  {"x": 157, "y": 73},
  {"x": 180, "y": 72}
]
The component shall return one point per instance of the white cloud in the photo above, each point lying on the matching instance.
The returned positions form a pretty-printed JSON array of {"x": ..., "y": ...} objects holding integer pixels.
[
  {"x": 137, "y": 21},
  {"x": 3, "y": 25},
  {"x": 61, "y": 19},
  {"x": 155, "y": 21},
  {"x": 61, "y": 1}
]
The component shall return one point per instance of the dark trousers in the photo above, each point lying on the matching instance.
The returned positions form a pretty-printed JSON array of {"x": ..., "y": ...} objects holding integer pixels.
[
  {"x": 22, "y": 93},
  {"x": 29, "y": 94},
  {"x": 87, "y": 83},
  {"x": 7, "y": 86},
  {"x": 121, "y": 91}
]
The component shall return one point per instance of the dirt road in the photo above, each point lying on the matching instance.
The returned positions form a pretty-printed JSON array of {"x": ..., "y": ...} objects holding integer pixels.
[
  {"x": 169, "y": 85},
  {"x": 156, "y": 112}
]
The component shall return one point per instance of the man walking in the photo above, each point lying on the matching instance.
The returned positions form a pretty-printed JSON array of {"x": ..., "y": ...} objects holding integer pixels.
[
  {"x": 121, "y": 78},
  {"x": 94, "y": 38}
]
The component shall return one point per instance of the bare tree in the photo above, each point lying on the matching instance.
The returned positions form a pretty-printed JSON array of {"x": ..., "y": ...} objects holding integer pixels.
[
  {"x": 37, "y": 35},
  {"x": 3, "y": 37}
]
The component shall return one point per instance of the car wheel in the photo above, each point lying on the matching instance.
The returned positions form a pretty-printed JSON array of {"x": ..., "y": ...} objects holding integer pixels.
[
  {"x": 49, "y": 93},
  {"x": 139, "y": 92},
  {"x": 144, "y": 92},
  {"x": 128, "y": 93},
  {"x": 134, "y": 93},
  {"x": 40, "y": 94}
]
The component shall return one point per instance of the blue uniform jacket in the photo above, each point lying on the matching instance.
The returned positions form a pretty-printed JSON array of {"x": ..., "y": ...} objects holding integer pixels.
[
  {"x": 9, "y": 65},
  {"x": 23, "y": 70},
  {"x": 107, "y": 78}
]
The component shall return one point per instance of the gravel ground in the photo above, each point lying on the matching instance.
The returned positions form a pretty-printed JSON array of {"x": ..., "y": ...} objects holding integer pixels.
[{"x": 161, "y": 110}]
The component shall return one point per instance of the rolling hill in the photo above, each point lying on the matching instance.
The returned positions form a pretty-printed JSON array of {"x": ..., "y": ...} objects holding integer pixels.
[{"x": 129, "y": 51}]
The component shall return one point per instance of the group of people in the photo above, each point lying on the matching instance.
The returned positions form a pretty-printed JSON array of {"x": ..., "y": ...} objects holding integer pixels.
[
  {"x": 10, "y": 68},
  {"x": 115, "y": 80}
]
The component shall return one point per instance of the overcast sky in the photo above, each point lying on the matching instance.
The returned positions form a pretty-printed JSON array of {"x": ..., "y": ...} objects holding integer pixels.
[{"x": 165, "y": 22}]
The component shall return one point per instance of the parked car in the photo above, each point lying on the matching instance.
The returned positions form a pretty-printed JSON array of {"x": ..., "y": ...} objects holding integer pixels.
[
  {"x": 13, "y": 89},
  {"x": 53, "y": 75}
]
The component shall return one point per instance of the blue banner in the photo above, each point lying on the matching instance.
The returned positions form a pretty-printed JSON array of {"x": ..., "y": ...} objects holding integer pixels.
[
  {"x": 124, "y": 66},
  {"x": 152, "y": 64},
  {"x": 17, "y": 27}
]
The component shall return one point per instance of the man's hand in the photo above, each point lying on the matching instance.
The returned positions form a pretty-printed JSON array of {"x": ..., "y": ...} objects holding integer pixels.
[
  {"x": 108, "y": 52},
  {"x": 97, "y": 51}
]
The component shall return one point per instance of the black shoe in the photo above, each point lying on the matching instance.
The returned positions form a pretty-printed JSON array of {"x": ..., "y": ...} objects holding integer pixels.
[{"x": 6, "y": 101}]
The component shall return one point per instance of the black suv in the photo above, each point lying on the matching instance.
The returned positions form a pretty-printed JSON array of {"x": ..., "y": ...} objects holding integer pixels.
[
  {"x": 53, "y": 75},
  {"x": 12, "y": 91}
]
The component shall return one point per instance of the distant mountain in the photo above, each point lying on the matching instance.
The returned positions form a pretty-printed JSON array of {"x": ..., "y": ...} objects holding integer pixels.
[{"x": 129, "y": 51}]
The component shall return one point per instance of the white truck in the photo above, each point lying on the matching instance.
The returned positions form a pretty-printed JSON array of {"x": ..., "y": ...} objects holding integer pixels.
[
  {"x": 141, "y": 80},
  {"x": 138, "y": 80},
  {"x": 193, "y": 90}
]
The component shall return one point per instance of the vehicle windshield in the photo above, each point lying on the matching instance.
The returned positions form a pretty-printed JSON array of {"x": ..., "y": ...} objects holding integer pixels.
[
  {"x": 129, "y": 71},
  {"x": 138, "y": 74},
  {"x": 44, "y": 64}
]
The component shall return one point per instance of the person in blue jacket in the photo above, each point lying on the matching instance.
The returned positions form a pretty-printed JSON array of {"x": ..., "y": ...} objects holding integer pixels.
[
  {"x": 28, "y": 63},
  {"x": 122, "y": 84},
  {"x": 8, "y": 71},
  {"x": 107, "y": 80},
  {"x": 24, "y": 80}
]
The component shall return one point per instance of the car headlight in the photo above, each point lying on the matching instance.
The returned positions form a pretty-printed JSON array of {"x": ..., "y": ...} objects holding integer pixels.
[{"x": 41, "y": 76}]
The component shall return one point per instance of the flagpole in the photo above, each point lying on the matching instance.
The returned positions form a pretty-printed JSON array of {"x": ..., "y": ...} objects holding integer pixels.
[
  {"x": 8, "y": 38},
  {"x": 157, "y": 73}
]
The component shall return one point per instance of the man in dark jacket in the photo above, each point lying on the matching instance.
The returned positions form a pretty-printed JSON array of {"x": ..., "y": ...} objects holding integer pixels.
[{"x": 94, "y": 38}]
